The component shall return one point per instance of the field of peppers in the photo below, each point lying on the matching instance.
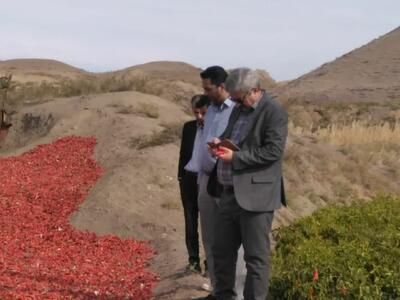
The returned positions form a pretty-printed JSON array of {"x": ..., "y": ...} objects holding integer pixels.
[{"x": 41, "y": 255}]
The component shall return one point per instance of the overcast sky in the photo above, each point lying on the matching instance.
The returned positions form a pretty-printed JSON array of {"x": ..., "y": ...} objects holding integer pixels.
[{"x": 285, "y": 37}]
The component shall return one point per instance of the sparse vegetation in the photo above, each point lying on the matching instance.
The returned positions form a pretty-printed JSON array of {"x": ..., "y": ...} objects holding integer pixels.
[
  {"x": 355, "y": 133},
  {"x": 322, "y": 115},
  {"x": 36, "y": 93},
  {"x": 171, "y": 204},
  {"x": 117, "y": 84},
  {"x": 340, "y": 252},
  {"x": 126, "y": 110},
  {"x": 161, "y": 181},
  {"x": 170, "y": 134},
  {"x": 340, "y": 163},
  {"x": 148, "y": 109},
  {"x": 40, "y": 92},
  {"x": 144, "y": 109}
]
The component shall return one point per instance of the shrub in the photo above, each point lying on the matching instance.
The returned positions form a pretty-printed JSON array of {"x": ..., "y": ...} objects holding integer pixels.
[{"x": 340, "y": 252}]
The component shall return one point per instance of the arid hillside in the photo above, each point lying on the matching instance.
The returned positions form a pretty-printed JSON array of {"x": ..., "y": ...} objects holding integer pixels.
[
  {"x": 38, "y": 70},
  {"x": 363, "y": 85},
  {"x": 370, "y": 73}
]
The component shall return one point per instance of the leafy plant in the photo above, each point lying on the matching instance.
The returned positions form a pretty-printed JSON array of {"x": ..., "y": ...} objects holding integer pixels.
[{"x": 340, "y": 252}]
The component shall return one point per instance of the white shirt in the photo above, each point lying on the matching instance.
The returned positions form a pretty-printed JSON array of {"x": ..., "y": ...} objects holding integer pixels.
[{"x": 194, "y": 164}]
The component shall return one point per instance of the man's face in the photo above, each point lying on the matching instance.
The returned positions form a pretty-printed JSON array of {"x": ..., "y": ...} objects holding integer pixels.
[
  {"x": 199, "y": 114},
  {"x": 246, "y": 99},
  {"x": 212, "y": 91}
]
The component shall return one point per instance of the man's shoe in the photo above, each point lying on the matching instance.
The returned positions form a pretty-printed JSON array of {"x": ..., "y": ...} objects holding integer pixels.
[{"x": 194, "y": 267}]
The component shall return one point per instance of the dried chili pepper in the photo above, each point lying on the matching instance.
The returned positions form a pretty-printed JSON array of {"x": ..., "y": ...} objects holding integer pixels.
[{"x": 41, "y": 255}]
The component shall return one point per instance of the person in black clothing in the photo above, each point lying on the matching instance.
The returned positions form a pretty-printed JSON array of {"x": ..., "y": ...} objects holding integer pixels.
[{"x": 187, "y": 177}]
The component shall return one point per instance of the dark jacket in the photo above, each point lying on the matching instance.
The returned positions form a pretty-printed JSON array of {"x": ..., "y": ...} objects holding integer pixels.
[
  {"x": 187, "y": 143},
  {"x": 257, "y": 167}
]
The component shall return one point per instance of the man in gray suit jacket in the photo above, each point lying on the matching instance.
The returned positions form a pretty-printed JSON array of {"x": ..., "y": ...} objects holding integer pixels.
[{"x": 251, "y": 183}]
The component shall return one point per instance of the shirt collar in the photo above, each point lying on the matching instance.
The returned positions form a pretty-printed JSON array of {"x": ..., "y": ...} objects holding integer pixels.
[{"x": 227, "y": 103}]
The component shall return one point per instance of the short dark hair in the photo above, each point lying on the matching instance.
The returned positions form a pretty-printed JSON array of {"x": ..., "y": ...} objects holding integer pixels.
[
  {"x": 199, "y": 101},
  {"x": 216, "y": 74}
]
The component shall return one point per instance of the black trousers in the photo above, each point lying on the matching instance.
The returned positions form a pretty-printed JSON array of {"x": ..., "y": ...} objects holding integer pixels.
[{"x": 189, "y": 192}]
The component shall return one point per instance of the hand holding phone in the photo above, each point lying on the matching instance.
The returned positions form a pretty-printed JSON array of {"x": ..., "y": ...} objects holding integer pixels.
[{"x": 213, "y": 145}]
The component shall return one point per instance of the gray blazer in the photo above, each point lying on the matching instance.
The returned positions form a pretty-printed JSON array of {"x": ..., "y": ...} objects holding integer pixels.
[{"x": 257, "y": 167}]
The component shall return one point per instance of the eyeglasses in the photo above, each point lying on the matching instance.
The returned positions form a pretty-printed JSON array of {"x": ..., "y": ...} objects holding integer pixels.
[{"x": 241, "y": 99}]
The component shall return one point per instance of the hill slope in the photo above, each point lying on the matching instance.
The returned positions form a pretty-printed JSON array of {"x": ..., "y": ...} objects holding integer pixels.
[
  {"x": 37, "y": 70},
  {"x": 370, "y": 73}
]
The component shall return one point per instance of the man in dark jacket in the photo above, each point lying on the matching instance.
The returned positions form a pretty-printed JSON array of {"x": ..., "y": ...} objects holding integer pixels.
[
  {"x": 251, "y": 183},
  {"x": 187, "y": 176}
]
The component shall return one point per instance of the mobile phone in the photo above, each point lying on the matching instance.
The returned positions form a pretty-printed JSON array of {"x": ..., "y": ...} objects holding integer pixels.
[
  {"x": 229, "y": 144},
  {"x": 212, "y": 145}
]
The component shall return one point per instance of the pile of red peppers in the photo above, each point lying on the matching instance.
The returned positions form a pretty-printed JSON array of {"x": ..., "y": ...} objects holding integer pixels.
[{"x": 41, "y": 255}]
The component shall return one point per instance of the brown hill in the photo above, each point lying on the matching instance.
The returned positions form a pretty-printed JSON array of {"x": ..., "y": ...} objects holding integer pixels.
[
  {"x": 370, "y": 73},
  {"x": 38, "y": 70},
  {"x": 267, "y": 82},
  {"x": 167, "y": 70},
  {"x": 39, "y": 80},
  {"x": 176, "y": 81},
  {"x": 183, "y": 72}
]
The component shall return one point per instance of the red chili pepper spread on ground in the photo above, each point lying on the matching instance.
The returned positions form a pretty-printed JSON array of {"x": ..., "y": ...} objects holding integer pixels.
[{"x": 41, "y": 255}]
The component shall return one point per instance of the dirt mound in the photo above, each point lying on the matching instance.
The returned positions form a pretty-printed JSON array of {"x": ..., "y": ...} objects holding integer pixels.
[{"x": 370, "y": 73}]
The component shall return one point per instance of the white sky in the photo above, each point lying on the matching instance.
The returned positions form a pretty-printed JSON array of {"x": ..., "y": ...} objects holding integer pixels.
[{"x": 285, "y": 37}]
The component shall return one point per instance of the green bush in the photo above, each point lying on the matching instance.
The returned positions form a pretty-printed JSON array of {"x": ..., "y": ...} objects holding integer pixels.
[{"x": 340, "y": 252}]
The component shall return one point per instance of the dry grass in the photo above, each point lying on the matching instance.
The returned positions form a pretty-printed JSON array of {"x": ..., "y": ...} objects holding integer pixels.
[
  {"x": 340, "y": 164},
  {"x": 163, "y": 182},
  {"x": 148, "y": 109},
  {"x": 354, "y": 134},
  {"x": 33, "y": 92},
  {"x": 171, "y": 204},
  {"x": 142, "y": 109}
]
